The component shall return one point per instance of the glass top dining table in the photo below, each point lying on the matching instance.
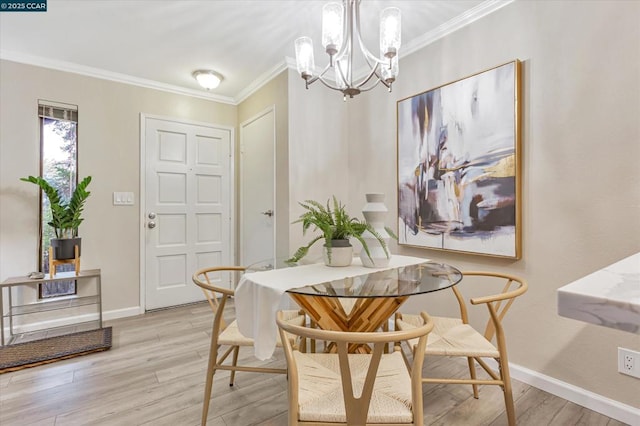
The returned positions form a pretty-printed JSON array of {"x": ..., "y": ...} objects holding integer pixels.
[
  {"x": 351, "y": 298},
  {"x": 407, "y": 280}
]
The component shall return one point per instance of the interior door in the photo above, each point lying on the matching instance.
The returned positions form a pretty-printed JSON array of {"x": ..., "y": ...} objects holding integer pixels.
[
  {"x": 257, "y": 218},
  {"x": 187, "y": 208}
]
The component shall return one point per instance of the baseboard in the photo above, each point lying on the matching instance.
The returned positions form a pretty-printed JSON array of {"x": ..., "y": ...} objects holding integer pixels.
[
  {"x": 122, "y": 313},
  {"x": 61, "y": 322},
  {"x": 598, "y": 403},
  {"x": 53, "y": 323}
]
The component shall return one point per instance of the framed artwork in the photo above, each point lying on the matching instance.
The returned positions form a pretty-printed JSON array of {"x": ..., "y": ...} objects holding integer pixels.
[{"x": 459, "y": 165}]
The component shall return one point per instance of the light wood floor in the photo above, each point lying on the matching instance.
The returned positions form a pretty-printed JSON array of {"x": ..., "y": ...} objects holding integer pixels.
[{"x": 154, "y": 375}]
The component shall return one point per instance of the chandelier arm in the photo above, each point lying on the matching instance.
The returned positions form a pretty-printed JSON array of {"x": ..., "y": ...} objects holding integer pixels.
[
  {"x": 372, "y": 61},
  {"x": 368, "y": 57},
  {"x": 380, "y": 80},
  {"x": 363, "y": 48},
  {"x": 375, "y": 70},
  {"x": 369, "y": 76},
  {"x": 346, "y": 19},
  {"x": 319, "y": 76},
  {"x": 366, "y": 89},
  {"x": 340, "y": 74},
  {"x": 323, "y": 81},
  {"x": 348, "y": 78}
]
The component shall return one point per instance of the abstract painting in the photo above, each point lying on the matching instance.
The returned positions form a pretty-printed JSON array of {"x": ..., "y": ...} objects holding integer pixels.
[{"x": 459, "y": 165}]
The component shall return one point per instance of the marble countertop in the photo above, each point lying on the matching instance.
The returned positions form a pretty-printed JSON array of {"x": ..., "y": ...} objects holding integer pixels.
[{"x": 609, "y": 297}]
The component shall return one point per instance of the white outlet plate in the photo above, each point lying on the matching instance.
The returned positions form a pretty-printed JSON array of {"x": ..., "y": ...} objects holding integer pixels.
[{"x": 629, "y": 362}]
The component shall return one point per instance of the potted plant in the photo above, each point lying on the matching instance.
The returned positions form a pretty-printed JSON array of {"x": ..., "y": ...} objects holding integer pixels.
[
  {"x": 66, "y": 215},
  {"x": 336, "y": 227}
]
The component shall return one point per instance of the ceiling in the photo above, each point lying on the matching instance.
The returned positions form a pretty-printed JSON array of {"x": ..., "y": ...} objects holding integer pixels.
[{"x": 160, "y": 43}]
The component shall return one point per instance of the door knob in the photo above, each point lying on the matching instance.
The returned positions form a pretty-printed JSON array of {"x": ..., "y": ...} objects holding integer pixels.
[
  {"x": 151, "y": 225},
  {"x": 268, "y": 213},
  {"x": 152, "y": 215}
]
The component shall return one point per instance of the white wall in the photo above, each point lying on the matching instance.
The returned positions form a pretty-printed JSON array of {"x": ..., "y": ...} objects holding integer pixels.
[{"x": 581, "y": 186}]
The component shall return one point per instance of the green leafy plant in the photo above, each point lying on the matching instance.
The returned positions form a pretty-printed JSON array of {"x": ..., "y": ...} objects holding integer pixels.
[
  {"x": 66, "y": 217},
  {"x": 334, "y": 224}
]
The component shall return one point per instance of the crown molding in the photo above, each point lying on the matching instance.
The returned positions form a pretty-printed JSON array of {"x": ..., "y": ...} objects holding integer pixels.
[
  {"x": 263, "y": 79},
  {"x": 455, "y": 24},
  {"x": 111, "y": 76},
  {"x": 472, "y": 15}
]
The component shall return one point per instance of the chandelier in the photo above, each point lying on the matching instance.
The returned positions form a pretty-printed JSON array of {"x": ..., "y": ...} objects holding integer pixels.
[{"x": 340, "y": 38}]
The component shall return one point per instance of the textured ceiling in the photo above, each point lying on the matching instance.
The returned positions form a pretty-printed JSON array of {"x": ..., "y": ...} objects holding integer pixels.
[{"x": 160, "y": 43}]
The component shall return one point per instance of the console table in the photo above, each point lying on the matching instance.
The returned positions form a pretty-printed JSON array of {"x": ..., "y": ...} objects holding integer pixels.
[{"x": 89, "y": 295}]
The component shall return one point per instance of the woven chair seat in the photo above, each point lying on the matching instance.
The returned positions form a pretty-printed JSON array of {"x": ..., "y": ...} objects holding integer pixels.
[
  {"x": 231, "y": 335},
  {"x": 454, "y": 337},
  {"x": 321, "y": 397},
  {"x": 450, "y": 337},
  {"x": 226, "y": 339}
]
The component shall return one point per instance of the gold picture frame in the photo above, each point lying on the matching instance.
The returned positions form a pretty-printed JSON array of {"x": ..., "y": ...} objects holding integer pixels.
[{"x": 459, "y": 165}]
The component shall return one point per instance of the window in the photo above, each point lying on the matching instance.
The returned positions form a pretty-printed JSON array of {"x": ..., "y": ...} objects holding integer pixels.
[{"x": 59, "y": 166}]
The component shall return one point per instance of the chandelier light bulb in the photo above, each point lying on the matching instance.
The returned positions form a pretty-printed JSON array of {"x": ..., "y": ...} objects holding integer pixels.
[
  {"x": 304, "y": 57},
  {"x": 390, "y": 31},
  {"x": 332, "y": 25}
]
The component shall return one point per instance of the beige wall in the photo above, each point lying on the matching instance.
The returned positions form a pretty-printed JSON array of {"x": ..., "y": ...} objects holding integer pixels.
[
  {"x": 318, "y": 152},
  {"x": 109, "y": 147},
  {"x": 274, "y": 93},
  {"x": 581, "y": 192}
]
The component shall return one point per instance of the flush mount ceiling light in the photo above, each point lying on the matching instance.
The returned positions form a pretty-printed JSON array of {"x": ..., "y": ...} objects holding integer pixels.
[
  {"x": 207, "y": 78},
  {"x": 340, "y": 34}
]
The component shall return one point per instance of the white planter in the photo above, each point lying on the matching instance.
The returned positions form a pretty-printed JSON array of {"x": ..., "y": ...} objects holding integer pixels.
[
  {"x": 340, "y": 256},
  {"x": 374, "y": 212}
]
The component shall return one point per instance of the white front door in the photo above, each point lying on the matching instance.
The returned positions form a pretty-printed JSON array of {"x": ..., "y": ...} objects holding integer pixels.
[
  {"x": 187, "y": 207},
  {"x": 257, "y": 218}
]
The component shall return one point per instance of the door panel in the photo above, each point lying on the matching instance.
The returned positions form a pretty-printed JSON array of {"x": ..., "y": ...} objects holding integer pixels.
[
  {"x": 187, "y": 208},
  {"x": 257, "y": 226}
]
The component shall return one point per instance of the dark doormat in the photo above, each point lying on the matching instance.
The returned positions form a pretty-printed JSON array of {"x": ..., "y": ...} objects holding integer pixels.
[{"x": 38, "y": 352}]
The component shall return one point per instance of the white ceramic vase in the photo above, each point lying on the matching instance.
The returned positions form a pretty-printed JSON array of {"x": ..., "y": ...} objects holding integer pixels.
[{"x": 374, "y": 212}]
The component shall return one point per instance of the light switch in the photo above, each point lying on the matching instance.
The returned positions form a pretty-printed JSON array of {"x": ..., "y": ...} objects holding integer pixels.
[{"x": 123, "y": 199}]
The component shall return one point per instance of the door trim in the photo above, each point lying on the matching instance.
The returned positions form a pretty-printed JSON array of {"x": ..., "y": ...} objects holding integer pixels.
[
  {"x": 244, "y": 124},
  {"x": 143, "y": 181}
]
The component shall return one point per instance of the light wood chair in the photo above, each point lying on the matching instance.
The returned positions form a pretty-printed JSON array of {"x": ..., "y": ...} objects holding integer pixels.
[
  {"x": 354, "y": 389},
  {"x": 229, "y": 335},
  {"x": 454, "y": 337}
]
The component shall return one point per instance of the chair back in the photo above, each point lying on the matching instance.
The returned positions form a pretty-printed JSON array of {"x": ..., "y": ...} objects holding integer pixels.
[
  {"x": 216, "y": 296},
  {"x": 498, "y": 304},
  {"x": 356, "y": 408}
]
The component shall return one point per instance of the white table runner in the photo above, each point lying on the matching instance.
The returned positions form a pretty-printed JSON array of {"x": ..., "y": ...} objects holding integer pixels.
[{"x": 259, "y": 295}]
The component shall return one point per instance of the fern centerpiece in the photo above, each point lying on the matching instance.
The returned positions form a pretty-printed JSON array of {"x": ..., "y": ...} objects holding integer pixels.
[{"x": 335, "y": 227}]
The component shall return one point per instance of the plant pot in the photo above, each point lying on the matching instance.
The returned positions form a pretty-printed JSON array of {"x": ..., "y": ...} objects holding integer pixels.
[
  {"x": 64, "y": 248},
  {"x": 341, "y": 253}
]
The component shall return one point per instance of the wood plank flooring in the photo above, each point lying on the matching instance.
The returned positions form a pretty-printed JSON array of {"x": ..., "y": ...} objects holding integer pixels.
[{"x": 154, "y": 375}]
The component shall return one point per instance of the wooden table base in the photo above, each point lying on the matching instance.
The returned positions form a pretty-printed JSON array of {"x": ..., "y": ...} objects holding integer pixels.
[{"x": 366, "y": 314}]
